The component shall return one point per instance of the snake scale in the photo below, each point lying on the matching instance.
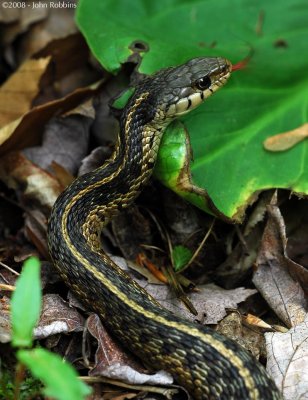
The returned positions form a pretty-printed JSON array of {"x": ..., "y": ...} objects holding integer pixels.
[{"x": 207, "y": 364}]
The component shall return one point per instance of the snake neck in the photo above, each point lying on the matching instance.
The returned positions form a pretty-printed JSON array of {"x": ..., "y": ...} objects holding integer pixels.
[{"x": 95, "y": 198}]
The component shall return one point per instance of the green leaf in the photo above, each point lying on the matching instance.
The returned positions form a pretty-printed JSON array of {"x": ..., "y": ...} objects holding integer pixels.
[
  {"x": 26, "y": 303},
  {"x": 180, "y": 255},
  {"x": 120, "y": 102},
  {"x": 227, "y": 132},
  {"x": 60, "y": 379}
]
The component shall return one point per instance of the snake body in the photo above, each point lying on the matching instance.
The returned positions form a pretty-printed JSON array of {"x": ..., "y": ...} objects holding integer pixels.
[{"x": 207, "y": 364}]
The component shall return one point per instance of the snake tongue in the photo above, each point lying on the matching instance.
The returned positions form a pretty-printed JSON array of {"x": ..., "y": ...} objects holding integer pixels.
[{"x": 241, "y": 64}]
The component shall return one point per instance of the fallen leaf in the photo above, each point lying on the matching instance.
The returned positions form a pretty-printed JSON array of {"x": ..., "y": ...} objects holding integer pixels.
[
  {"x": 256, "y": 322},
  {"x": 108, "y": 352},
  {"x": 29, "y": 180},
  {"x": 144, "y": 272},
  {"x": 26, "y": 131},
  {"x": 18, "y": 93},
  {"x": 57, "y": 317},
  {"x": 277, "y": 277},
  {"x": 210, "y": 301},
  {"x": 58, "y": 24},
  {"x": 169, "y": 392},
  {"x": 286, "y": 140},
  {"x": 18, "y": 20},
  {"x": 65, "y": 141},
  {"x": 252, "y": 340},
  {"x": 62, "y": 175},
  {"x": 95, "y": 159},
  {"x": 112, "y": 362},
  {"x": 288, "y": 360},
  {"x": 70, "y": 55},
  {"x": 73, "y": 301}
]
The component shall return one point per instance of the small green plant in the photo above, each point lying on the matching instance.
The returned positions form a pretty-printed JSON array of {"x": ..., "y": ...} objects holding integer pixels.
[
  {"x": 60, "y": 380},
  {"x": 180, "y": 256},
  {"x": 29, "y": 387}
]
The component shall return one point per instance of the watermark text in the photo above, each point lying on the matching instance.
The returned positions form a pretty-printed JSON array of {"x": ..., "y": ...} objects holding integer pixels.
[{"x": 38, "y": 4}]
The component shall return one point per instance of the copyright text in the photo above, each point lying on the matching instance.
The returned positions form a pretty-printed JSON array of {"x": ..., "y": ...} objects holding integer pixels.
[{"x": 38, "y": 4}]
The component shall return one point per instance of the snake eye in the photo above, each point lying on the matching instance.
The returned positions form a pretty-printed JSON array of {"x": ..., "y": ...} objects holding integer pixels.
[{"x": 203, "y": 83}]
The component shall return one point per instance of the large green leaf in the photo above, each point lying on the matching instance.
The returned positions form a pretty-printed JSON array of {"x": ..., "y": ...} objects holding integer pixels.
[{"x": 227, "y": 132}]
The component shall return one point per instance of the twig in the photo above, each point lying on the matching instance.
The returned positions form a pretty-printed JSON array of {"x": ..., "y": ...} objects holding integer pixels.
[
  {"x": 196, "y": 253},
  {"x": 9, "y": 268}
]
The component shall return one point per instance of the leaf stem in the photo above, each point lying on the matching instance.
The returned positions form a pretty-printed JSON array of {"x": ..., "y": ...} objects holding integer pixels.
[{"x": 19, "y": 378}]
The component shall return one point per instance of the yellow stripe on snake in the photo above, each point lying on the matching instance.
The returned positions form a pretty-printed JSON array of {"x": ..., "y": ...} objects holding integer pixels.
[{"x": 207, "y": 364}]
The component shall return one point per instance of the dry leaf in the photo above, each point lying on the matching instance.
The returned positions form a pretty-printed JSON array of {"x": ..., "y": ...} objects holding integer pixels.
[
  {"x": 20, "y": 19},
  {"x": 288, "y": 361},
  {"x": 32, "y": 182},
  {"x": 57, "y": 317},
  {"x": 58, "y": 24},
  {"x": 62, "y": 175},
  {"x": 277, "y": 277},
  {"x": 254, "y": 321},
  {"x": 94, "y": 160},
  {"x": 286, "y": 140},
  {"x": 18, "y": 93},
  {"x": 112, "y": 362},
  {"x": 252, "y": 340},
  {"x": 27, "y": 130},
  {"x": 210, "y": 301},
  {"x": 70, "y": 55},
  {"x": 108, "y": 352},
  {"x": 65, "y": 141}
]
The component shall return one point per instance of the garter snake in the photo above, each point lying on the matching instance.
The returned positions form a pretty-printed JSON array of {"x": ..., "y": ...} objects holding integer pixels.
[{"x": 207, "y": 364}]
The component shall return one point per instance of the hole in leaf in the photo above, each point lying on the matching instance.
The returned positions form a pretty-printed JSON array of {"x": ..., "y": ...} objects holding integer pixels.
[{"x": 139, "y": 46}]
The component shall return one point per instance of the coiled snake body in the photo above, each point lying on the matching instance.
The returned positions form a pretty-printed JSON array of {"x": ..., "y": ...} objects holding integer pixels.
[{"x": 207, "y": 364}]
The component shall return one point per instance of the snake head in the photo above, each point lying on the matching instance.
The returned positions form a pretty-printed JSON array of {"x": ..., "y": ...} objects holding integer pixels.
[{"x": 180, "y": 89}]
